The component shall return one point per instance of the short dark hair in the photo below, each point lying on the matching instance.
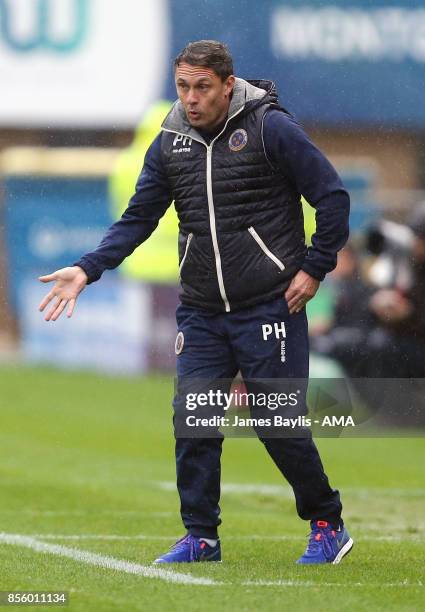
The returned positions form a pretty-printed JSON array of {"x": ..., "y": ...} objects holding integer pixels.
[{"x": 209, "y": 53}]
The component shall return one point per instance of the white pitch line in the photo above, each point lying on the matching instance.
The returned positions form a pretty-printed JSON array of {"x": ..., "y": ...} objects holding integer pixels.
[
  {"x": 286, "y": 492},
  {"x": 106, "y": 537},
  {"x": 129, "y": 567},
  {"x": 97, "y": 513},
  {"x": 301, "y": 583},
  {"x": 366, "y": 538},
  {"x": 103, "y": 561},
  {"x": 279, "y": 538},
  {"x": 243, "y": 489}
]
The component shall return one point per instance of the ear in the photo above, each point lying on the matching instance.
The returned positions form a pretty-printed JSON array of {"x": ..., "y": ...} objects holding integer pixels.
[{"x": 229, "y": 83}]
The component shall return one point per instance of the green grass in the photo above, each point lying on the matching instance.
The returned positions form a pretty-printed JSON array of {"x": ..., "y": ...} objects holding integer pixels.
[{"x": 85, "y": 455}]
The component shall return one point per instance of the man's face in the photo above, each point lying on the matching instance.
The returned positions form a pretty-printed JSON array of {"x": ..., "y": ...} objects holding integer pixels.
[{"x": 205, "y": 97}]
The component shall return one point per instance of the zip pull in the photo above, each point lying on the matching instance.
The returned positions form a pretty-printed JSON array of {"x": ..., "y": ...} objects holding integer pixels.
[{"x": 188, "y": 241}]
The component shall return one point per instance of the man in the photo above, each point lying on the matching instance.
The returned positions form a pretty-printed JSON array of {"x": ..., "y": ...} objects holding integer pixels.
[
  {"x": 397, "y": 346},
  {"x": 235, "y": 163}
]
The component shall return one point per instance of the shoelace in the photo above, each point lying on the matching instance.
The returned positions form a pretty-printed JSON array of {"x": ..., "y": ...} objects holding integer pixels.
[
  {"x": 181, "y": 544},
  {"x": 318, "y": 536}
]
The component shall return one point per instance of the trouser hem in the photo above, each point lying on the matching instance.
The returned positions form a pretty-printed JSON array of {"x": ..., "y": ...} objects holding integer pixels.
[
  {"x": 336, "y": 522},
  {"x": 203, "y": 532}
]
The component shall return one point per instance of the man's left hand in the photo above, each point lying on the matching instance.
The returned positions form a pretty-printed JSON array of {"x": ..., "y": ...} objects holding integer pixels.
[{"x": 302, "y": 288}]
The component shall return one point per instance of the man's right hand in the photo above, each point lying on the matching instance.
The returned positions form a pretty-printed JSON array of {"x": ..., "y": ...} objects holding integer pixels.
[{"x": 69, "y": 284}]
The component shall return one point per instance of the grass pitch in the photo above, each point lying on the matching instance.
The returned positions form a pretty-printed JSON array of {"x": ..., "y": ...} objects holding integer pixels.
[{"x": 87, "y": 472}]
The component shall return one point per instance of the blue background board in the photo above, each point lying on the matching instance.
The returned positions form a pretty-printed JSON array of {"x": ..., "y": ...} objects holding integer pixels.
[
  {"x": 364, "y": 210},
  {"x": 348, "y": 92},
  {"x": 98, "y": 336},
  {"x": 50, "y": 222}
]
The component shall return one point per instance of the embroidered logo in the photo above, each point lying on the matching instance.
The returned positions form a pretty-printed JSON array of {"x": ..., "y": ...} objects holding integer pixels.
[
  {"x": 238, "y": 140},
  {"x": 283, "y": 351},
  {"x": 182, "y": 144},
  {"x": 179, "y": 343},
  {"x": 278, "y": 329}
]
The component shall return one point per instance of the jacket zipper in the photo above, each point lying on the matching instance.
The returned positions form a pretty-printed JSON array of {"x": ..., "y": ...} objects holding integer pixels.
[
  {"x": 189, "y": 238},
  {"x": 214, "y": 230},
  {"x": 265, "y": 249},
  {"x": 211, "y": 207},
  {"x": 212, "y": 213}
]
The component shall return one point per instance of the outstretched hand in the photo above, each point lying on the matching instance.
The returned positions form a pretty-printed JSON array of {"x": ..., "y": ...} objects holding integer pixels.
[
  {"x": 68, "y": 286},
  {"x": 303, "y": 287}
]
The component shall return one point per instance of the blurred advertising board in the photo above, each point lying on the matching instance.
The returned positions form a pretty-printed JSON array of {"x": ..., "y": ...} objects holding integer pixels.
[
  {"x": 81, "y": 62},
  {"x": 55, "y": 208},
  {"x": 335, "y": 63},
  {"x": 108, "y": 332},
  {"x": 101, "y": 63},
  {"x": 52, "y": 216}
]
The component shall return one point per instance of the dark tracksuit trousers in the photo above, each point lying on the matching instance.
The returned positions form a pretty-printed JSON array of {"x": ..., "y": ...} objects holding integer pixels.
[{"x": 217, "y": 346}]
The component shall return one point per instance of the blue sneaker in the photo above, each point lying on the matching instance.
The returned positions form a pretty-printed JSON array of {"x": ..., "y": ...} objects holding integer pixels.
[
  {"x": 326, "y": 544},
  {"x": 190, "y": 549}
]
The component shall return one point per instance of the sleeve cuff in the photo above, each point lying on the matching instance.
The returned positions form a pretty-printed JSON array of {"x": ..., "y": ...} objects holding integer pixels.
[
  {"x": 313, "y": 271},
  {"x": 92, "y": 272}
]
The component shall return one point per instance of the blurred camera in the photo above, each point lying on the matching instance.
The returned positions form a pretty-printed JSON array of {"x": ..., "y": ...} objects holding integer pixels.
[{"x": 392, "y": 245}]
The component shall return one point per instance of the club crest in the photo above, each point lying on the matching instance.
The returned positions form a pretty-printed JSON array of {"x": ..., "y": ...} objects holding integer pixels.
[
  {"x": 179, "y": 343},
  {"x": 238, "y": 140}
]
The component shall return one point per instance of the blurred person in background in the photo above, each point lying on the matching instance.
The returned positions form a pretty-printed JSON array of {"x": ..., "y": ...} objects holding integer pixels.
[
  {"x": 378, "y": 327},
  {"x": 346, "y": 340},
  {"x": 397, "y": 344},
  {"x": 235, "y": 163},
  {"x": 156, "y": 260}
]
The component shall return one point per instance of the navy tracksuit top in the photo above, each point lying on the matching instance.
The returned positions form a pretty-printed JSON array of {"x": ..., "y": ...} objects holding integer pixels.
[{"x": 250, "y": 222}]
